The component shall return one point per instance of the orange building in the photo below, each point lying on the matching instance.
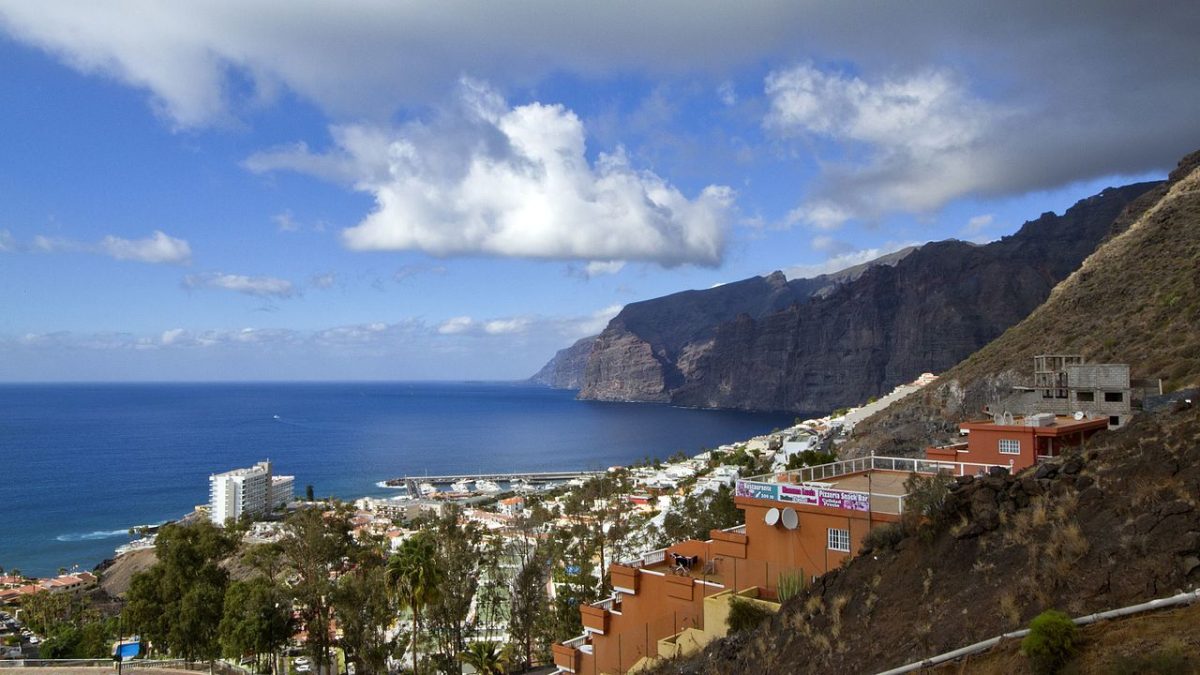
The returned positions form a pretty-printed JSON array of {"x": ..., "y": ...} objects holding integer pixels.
[
  {"x": 1019, "y": 442},
  {"x": 799, "y": 524}
]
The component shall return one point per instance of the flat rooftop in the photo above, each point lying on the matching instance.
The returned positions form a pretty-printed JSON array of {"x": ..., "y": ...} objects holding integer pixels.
[
  {"x": 1061, "y": 423},
  {"x": 861, "y": 484}
]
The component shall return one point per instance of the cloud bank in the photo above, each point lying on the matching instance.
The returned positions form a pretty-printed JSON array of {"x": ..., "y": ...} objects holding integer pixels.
[{"x": 485, "y": 178}]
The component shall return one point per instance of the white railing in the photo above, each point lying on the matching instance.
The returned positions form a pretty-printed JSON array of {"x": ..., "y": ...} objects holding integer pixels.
[
  {"x": 645, "y": 559},
  {"x": 813, "y": 474},
  {"x": 806, "y": 486},
  {"x": 577, "y": 642}
]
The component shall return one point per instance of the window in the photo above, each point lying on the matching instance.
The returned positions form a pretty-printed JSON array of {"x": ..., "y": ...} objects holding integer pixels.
[
  {"x": 839, "y": 540},
  {"x": 1114, "y": 420},
  {"x": 1085, "y": 396},
  {"x": 1010, "y": 446},
  {"x": 1113, "y": 397}
]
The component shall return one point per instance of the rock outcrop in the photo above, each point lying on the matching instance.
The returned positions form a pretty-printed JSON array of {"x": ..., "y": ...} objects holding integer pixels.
[
  {"x": 811, "y": 345},
  {"x": 565, "y": 370}
]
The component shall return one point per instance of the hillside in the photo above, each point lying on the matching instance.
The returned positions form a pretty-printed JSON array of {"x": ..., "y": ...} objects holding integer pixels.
[
  {"x": 807, "y": 345},
  {"x": 1117, "y": 525},
  {"x": 1136, "y": 300}
]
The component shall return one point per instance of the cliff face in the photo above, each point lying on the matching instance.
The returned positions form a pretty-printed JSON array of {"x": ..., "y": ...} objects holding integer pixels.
[
  {"x": 816, "y": 344},
  {"x": 565, "y": 370},
  {"x": 1135, "y": 300}
]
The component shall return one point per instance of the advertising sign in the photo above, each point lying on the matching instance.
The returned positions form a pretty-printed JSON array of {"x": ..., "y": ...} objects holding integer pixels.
[
  {"x": 834, "y": 499},
  {"x": 754, "y": 490}
]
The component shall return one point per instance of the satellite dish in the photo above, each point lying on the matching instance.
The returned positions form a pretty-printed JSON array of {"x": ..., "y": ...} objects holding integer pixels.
[
  {"x": 1008, "y": 418},
  {"x": 772, "y": 516},
  {"x": 790, "y": 519},
  {"x": 1078, "y": 415}
]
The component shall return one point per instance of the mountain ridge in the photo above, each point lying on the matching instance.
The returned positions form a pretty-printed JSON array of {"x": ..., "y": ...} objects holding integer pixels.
[{"x": 811, "y": 345}]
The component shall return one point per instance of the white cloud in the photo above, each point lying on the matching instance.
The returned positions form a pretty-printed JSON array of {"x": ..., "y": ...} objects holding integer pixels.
[
  {"x": 977, "y": 225},
  {"x": 285, "y": 222},
  {"x": 326, "y": 280},
  {"x": 157, "y": 248},
  {"x": 210, "y": 62},
  {"x": 405, "y": 272},
  {"x": 506, "y": 326},
  {"x": 170, "y": 337},
  {"x": 911, "y": 143},
  {"x": 819, "y": 216},
  {"x": 726, "y": 93},
  {"x": 841, "y": 261},
  {"x": 46, "y": 244},
  {"x": 592, "y": 323},
  {"x": 456, "y": 325},
  {"x": 597, "y": 268},
  {"x": 248, "y": 285},
  {"x": 487, "y": 179},
  {"x": 7, "y": 243}
]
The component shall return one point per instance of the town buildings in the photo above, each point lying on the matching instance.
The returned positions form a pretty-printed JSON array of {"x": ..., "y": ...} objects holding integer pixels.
[
  {"x": 1068, "y": 401},
  {"x": 252, "y": 491},
  {"x": 799, "y": 525}
]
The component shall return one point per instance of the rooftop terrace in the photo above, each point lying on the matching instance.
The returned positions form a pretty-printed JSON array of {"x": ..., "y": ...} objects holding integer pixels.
[{"x": 863, "y": 484}]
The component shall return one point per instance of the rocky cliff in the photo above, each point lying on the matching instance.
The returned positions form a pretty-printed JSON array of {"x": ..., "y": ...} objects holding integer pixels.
[
  {"x": 565, "y": 370},
  {"x": 810, "y": 345},
  {"x": 1135, "y": 300}
]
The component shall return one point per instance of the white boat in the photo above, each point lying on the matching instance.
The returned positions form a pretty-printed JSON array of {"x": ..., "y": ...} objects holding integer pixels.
[
  {"x": 461, "y": 486},
  {"x": 522, "y": 485},
  {"x": 487, "y": 486},
  {"x": 427, "y": 489}
]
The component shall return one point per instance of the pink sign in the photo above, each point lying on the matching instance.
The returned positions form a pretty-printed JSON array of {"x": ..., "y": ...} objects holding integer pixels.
[{"x": 835, "y": 499}]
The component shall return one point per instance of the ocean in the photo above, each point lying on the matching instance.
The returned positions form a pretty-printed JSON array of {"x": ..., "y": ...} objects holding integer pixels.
[{"x": 80, "y": 464}]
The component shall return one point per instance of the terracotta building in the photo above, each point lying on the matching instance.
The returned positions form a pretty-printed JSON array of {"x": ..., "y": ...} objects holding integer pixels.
[
  {"x": 1019, "y": 442},
  {"x": 799, "y": 524}
]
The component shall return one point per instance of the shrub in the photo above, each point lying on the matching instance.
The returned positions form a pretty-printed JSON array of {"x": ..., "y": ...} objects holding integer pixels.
[
  {"x": 1050, "y": 643},
  {"x": 790, "y": 585},
  {"x": 883, "y": 537},
  {"x": 745, "y": 615},
  {"x": 926, "y": 495}
]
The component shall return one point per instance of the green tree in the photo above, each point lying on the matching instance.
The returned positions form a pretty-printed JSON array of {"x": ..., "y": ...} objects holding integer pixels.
[
  {"x": 365, "y": 611},
  {"x": 317, "y": 546},
  {"x": 701, "y": 513},
  {"x": 487, "y": 658},
  {"x": 177, "y": 603},
  {"x": 257, "y": 619},
  {"x": 457, "y": 557},
  {"x": 528, "y": 605},
  {"x": 414, "y": 576}
]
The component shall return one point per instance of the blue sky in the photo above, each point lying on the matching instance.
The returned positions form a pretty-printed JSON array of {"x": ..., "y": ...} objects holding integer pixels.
[{"x": 199, "y": 191}]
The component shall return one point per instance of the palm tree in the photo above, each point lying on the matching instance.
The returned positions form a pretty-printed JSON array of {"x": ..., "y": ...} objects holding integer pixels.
[
  {"x": 487, "y": 658},
  {"x": 415, "y": 577}
]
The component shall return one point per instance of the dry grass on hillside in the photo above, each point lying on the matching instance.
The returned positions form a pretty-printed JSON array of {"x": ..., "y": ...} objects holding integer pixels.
[
  {"x": 1166, "y": 643},
  {"x": 1136, "y": 300}
]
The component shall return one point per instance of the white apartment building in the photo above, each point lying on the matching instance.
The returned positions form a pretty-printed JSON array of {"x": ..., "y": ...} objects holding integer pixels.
[
  {"x": 283, "y": 491},
  {"x": 251, "y": 490}
]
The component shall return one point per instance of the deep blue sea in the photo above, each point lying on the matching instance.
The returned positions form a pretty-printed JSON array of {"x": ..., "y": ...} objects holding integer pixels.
[{"x": 82, "y": 463}]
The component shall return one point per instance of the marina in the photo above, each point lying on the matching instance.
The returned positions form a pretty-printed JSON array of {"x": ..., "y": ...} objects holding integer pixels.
[{"x": 485, "y": 482}]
